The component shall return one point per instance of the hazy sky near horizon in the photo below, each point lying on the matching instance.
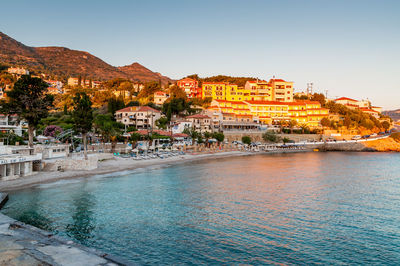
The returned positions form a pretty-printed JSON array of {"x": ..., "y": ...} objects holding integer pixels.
[{"x": 348, "y": 47}]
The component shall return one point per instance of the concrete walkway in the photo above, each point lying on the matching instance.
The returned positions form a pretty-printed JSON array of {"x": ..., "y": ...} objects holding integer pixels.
[{"x": 22, "y": 244}]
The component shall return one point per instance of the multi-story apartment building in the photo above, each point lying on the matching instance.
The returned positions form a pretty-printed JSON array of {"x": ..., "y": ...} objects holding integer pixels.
[
  {"x": 256, "y": 90},
  {"x": 190, "y": 86},
  {"x": 84, "y": 82},
  {"x": 363, "y": 105},
  {"x": 259, "y": 90},
  {"x": 142, "y": 117},
  {"x": 160, "y": 97},
  {"x": 219, "y": 90},
  {"x": 201, "y": 123},
  {"x": 269, "y": 112},
  {"x": 282, "y": 90}
]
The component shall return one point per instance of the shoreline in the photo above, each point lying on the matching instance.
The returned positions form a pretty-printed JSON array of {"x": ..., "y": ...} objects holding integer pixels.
[
  {"x": 120, "y": 165},
  {"x": 115, "y": 165}
]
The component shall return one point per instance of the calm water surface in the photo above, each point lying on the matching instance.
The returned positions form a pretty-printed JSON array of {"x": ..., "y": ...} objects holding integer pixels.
[{"x": 305, "y": 208}]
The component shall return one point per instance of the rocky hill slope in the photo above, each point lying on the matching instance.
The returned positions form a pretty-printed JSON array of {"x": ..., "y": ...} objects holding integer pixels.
[{"x": 61, "y": 61}]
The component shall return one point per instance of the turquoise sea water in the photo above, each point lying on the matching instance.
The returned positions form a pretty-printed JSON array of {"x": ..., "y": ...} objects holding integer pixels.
[{"x": 304, "y": 208}]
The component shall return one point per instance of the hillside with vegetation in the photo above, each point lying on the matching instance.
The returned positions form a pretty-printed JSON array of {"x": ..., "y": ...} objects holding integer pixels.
[
  {"x": 344, "y": 118},
  {"x": 240, "y": 81},
  {"x": 394, "y": 114},
  {"x": 63, "y": 62}
]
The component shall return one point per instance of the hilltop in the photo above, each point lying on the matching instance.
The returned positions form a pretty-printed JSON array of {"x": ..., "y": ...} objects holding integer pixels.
[
  {"x": 64, "y": 62},
  {"x": 394, "y": 114}
]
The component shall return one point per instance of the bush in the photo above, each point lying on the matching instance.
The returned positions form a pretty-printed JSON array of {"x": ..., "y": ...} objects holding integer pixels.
[
  {"x": 270, "y": 137},
  {"x": 396, "y": 136},
  {"x": 11, "y": 138},
  {"x": 219, "y": 136},
  {"x": 52, "y": 131},
  {"x": 246, "y": 140}
]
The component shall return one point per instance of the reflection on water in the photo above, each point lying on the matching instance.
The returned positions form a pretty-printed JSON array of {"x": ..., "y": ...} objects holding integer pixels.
[
  {"x": 306, "y": 208},
  {"x": 83, "y": 220}
]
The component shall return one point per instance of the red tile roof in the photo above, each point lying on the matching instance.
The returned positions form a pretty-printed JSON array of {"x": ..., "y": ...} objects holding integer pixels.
[
  {"x": 365, "y": 109},
  {"x": 277, "y": 80},
  {"x": 234, "y": 102},
  {"x": 187, "y": 79},
  {"x": 345, "y": 98},
  {"x": 138, "y": 109},
  {"x": 198, "y": 116}
]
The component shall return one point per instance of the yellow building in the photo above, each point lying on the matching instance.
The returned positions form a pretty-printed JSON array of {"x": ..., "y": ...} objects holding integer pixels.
[
  {"x": 269, "y": 112},
  {"x": 217, "y": 90},
  {"x": 259, "y": 90},
  {"x": 255, "y": 90}
]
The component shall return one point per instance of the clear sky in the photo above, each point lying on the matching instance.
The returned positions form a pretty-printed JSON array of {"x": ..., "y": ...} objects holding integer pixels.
[{"x": 348, "y": 47}]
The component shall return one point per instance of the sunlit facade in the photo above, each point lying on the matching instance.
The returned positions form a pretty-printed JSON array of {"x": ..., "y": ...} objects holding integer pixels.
[{"x": 269, "y": 112}]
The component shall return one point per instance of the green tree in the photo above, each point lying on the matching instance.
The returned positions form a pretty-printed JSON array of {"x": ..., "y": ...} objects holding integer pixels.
[
  {"x": 176, "y": 92},
  {"x": 386, "y": 125},
  {"x": 108, "y": 128},
  {"x": 29, "y": 100},
  {"x": 149, "y": 89},
  {"x": 292, "y": 123},
  {"x": 83, "y": 117},
  {"x": 304, "y": 128},
  {"x": 270, "y": 136},
  {"x": 325, "y": 122},
  {"x": 319, "y": 97},
  {"x": 162, "y": 123},
  {"x": 192, "y": 133},
  {"x": 174, "y": 106},
  {"x": 285, "y": 140},
  {"x": 246, "y": 140},
  {"x": 219, "y": 136},
  {"x": 115, "y": 104}
]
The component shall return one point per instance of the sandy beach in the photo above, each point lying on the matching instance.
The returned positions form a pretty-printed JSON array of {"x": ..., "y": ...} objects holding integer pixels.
[{"x": 111, "y": 166}]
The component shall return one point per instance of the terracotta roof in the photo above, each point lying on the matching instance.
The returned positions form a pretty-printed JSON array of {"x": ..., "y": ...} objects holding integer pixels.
[
  {"x": 234, "y": 102},
  {"x": 182, "y": 135},
  {"x": 138, "y": 109},
  {"x": 266, "y": 103},
  {"x": 364, "y": 109},
  {"x": 345, "y": 98},
  {"x": 126, "y": 109},
  {"x": 198, "y": 116},
  {"x": 160, "y": 93},
  {"x": 219, "y": 83},
  {"x": 187, "y": 79}
]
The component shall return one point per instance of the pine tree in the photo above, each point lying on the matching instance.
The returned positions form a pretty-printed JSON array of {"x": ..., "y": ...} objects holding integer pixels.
[
  {"x": 83, "y": 117},
  {"x": 29, "y": 100}
]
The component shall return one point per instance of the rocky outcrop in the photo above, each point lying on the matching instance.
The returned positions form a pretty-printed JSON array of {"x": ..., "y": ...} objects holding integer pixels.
[{"x": 384, "y": 145}]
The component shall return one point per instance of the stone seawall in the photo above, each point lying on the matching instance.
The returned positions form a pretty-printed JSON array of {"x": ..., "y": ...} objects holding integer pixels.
[
  {"x": 22, "y": 244},
  {"x": 353, "y": 146},
  {"x": 257, "y": 136},
  {"x": 70, "y": 164}
]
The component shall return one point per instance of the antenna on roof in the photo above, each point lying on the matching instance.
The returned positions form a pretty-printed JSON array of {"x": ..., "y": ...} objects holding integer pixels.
[
  {"x": 309, "y": 88},
  {"x": 326, "y": 94}
]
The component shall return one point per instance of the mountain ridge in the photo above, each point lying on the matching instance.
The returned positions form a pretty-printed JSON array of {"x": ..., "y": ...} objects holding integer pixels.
[{"x": 66, "y": 62}]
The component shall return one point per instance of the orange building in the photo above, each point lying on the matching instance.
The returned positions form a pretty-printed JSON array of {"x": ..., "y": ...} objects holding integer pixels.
[
  {"x": 269, "y": 112},
  {"x": 190, "y": 86}
]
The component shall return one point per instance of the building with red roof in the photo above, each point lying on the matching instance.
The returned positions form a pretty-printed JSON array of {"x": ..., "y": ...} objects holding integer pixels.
[
  {"x": 141, "y": 117},
  {"x": 190, "y": 86}
]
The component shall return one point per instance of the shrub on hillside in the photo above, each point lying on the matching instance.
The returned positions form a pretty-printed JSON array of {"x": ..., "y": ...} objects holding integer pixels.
[{"x": 396, "y": 136}]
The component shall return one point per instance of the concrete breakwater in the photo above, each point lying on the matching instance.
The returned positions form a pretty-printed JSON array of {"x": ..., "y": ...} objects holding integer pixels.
[{"x": 22, "y": 244}]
